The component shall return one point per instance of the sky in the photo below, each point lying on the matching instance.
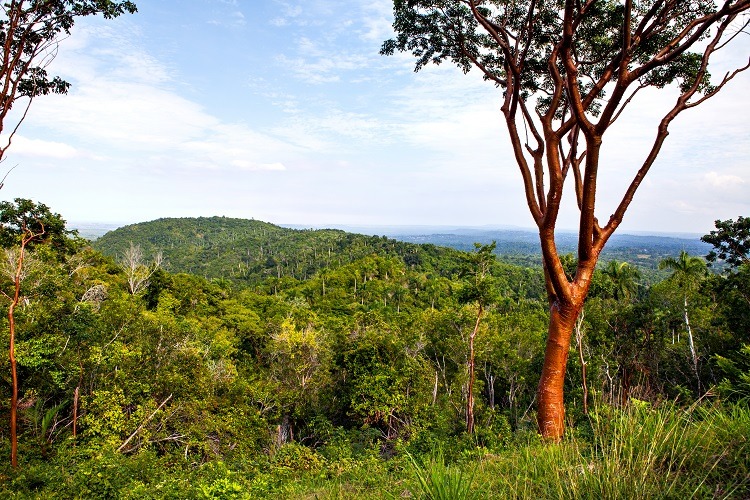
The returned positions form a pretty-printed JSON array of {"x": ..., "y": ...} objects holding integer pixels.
[{"x": 284, "y": 111}]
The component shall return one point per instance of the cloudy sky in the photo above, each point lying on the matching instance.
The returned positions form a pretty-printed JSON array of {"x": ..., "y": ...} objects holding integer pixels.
[{"x": 283, "y": 111}]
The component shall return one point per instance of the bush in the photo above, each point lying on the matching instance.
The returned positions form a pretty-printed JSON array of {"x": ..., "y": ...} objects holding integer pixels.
[{"x": 296, "y": 457}]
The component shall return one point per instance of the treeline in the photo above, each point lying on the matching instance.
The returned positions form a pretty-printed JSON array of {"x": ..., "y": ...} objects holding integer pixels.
[{"x": 362, "y": 359}]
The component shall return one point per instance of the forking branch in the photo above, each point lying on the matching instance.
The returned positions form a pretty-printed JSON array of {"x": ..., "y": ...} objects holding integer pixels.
[{"x": 583, "y": 63}]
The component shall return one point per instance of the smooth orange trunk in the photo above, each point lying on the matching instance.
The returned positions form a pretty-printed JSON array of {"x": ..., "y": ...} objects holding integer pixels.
[
  {"x": 14, "y": 385},
  {"x": 551, "y": 408}
]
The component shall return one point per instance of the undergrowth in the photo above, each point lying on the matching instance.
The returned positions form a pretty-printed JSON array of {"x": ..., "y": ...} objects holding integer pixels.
[{"x": 638, "y": 452}]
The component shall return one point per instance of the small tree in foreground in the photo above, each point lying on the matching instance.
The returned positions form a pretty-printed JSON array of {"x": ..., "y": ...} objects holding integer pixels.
[
  {"x": 478, "y": 288},
  {"x": 23, "y": 225},
  {"x": 567, "y": 70}
]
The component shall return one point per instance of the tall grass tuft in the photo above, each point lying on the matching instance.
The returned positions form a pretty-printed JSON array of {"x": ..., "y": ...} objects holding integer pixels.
[
  {"x": 438, "y": 481},
  {"x": 639, "y": 452}
]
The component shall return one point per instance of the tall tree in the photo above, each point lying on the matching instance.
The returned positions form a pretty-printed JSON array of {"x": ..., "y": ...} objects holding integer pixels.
[
  {"x": 583, "y": 62},
  {"x": 731, "y": 242},
  {"x": 478, "y": 287},
  {"x": 30, "y": 31},
  {"x": 23, "y": 225},
  {"x": 687, "y": 272}
]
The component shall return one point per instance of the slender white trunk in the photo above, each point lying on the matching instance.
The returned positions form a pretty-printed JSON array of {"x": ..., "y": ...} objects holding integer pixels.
[
  {"x": 579, "y": 344},
  {"x": 435, "y": 389},
  {"x": 690, "y": 342}
]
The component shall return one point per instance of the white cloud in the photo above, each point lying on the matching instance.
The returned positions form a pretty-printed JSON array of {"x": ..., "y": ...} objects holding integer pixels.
[
  {"x": 23, "y": 146},
  {"x": 315, "y": 73},
  {"x": 326, "y": 68},
  {"x": 143, "y": 121},
  {"x": 724, "y": 181},
  {"x": 124, "y": 115},
  {"x": 377, "y": 21},
  {"x": 227, "y": 145},
  {"x": 247, "y": 165},
  {"x": 289, "y": 13},
  {"x": 95, "y": 49},
  {"x": 234, "y": 19}
]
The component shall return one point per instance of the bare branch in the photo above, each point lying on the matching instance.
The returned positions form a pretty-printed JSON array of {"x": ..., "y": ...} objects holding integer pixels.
[
  {"x": 136, "y": 271},
  {"x": 2, "y": 182},
  {"x": 143, "y": 424},
  {"x": 625, "y": 104},
  {"x": 727, "y": 78}
]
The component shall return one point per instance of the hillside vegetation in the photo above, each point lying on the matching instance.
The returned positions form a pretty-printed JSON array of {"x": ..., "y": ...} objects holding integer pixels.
[
  {"x": 248, "y": 251},
  {"x": 339, "y": 366}
]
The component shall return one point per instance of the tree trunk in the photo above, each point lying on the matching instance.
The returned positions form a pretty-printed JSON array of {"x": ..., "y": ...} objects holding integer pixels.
[
  {"x": 490, "y": 378},
  {"x": 691, "y": 343},
  {"x": 470, "y": 395},
  {"x": 12, "y": 351},
  {"x": 579, "y": 342},
  {"x": 14, "y": 391},
  {"x": 551, "y": 409},
  {"x": 76, "y": 395},
  {"x": 435, "y": 389},
  {"x": 284, "y": 432}
]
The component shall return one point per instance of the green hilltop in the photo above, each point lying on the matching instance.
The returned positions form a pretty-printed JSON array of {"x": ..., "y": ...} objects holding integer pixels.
[{"x": 248, "y": 251}]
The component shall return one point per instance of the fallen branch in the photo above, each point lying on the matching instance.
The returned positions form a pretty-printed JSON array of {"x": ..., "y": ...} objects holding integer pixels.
[{"x": 123, "y": 445}]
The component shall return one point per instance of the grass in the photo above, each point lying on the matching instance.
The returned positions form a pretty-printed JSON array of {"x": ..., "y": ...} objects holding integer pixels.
[
  {"x": 639, "y": 452},
  {"x": 438, "y": 481}
]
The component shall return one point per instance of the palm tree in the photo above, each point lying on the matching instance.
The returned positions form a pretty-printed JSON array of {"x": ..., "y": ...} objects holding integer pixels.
[
  {"x": 624, "y": 277},
  {"x": 688, "y": 271}
]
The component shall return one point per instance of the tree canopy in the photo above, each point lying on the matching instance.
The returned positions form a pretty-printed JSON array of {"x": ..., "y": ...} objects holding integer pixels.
[
  {"x": 29, "y": 33},
  {"x": 567, "y": 71},
  {"x": 22, "y": 217},
  {"x": 731, "y": 241}
]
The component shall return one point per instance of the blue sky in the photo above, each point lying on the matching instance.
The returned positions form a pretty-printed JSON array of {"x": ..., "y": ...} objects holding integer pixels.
[{"x": 283, "y": 111}]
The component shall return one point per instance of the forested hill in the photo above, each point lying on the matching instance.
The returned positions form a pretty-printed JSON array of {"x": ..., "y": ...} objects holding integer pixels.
[{"x": 249, "y": 250}]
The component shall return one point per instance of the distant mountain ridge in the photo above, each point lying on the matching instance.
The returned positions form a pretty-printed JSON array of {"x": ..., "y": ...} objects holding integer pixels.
[
  {"x": 645, "y": 250},
  {"x": 250, "y": 250}
]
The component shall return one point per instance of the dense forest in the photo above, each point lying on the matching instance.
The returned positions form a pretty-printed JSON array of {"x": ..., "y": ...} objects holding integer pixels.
[
  {"x": 227, "y": 358},
  {"x": 241, "y": 249},
  {"x": 248, "y": 251}
]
